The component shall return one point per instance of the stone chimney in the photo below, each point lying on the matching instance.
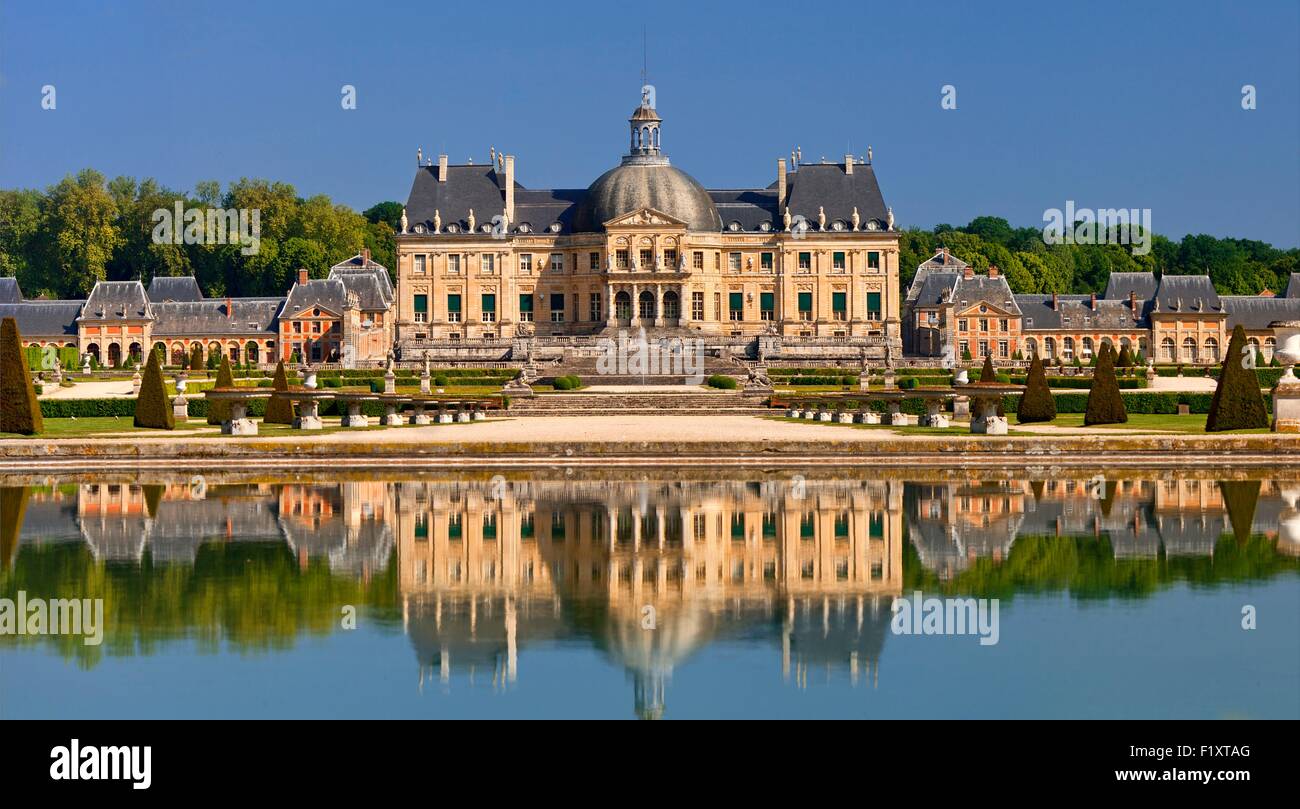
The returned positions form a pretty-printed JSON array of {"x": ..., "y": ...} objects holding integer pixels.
[
  {"x": 945, "y": 255},
  {"x": 969, "y": 272},
  {"x": 442, "y": 168},
  {"x": 365, "y": 255},
  {"x": 510, "y": 188},
  {"x": 1094, "y": 301},
  {"x": 1133, "y": 303},
  {"x": 302, "y": 276},
  {"x": 780, "y": 184},
  {"x": 230, "y": 309},
  {"x": 1056, "y": 303},
  {"x": 848, "y": 164},
  {"x": 993, "y": 271}
]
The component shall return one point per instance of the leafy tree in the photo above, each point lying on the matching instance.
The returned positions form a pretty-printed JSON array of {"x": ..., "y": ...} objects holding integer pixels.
[
  {"x": 1036, "y": 403},
  {"x": 1238, "y": 403},
  {"x": 153, "y": 407},
  {"x": 20, "y": 412},
  {"x": 1105, "y": 403},
  {"x": 79, "y": 228}
]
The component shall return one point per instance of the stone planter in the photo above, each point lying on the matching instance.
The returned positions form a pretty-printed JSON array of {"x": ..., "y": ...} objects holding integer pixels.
[{"x": 844, "y": 418}]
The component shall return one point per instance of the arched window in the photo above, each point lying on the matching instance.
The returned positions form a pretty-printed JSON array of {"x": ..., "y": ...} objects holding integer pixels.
[
  {"x": 623, "y": 306},
  {"x": 646, "y": 305},
  {"x": 1270, "y": 345},
  {"x": 672, "y": 307},
  {"x": 1189, "y": 349},
  {"x": 1167, "y": 349},
  {"x": 1087, "y": 348},
  {"x": 251, "y": 353},
  {"x": 1049, "y": 348},
  {"x": 1211, "y": 350},
  {"x": 1068, "y": 352},
  {"x": 1031, "y": 348}
]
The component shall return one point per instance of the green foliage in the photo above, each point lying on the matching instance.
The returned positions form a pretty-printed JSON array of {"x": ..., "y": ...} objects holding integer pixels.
[
  {"x": 19, "y": 410},
  {"x": 1105, "y": 403},
  {"x": 1125, "y": 359},
  {"x": 1036, "y": 404},
  {"x": 1238, "y": 403},
  {"x": 153, "y": 407},
  {"x": 723, "y": 382},
  {"x": 987, "y": 373},
  {"x": 219, "y": 412},
  {"x": 567, "y": 383},
  {"x": 280, "y": 409},
  {"x": 196, "y": 358},
  {"x": 440, "y": 381}
]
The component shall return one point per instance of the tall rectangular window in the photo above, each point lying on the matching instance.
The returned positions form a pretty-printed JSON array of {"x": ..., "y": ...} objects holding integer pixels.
[
  {"x": 453, "y": 308},
  {"x": 647, "y": 259},
  {"x": 670, "y": 259},
  {"x": 421, "y": 308},
  {"x": 594, "y": 260},
  {"x": 489, "y": 308},
  {"x": 765, "y": 262},
  {"x": 697, "y": 305},
  {"x": 526, "y": 263},
  {"x": 526, "y": 307},
  {"x": 595, "y": 308},
  {"x": 419, "y": 265},
  {"x": 488, "y": 263},
  {"x": 805, "y": 261},
  {"x": 805, "y": 306},
  {"x": 837, "y": 261},
  {"x": 839, "y": 305},
  {"x": 621, "y": 259},
  {"x": 873, "y": 260},
  {"x": 453, "y": 264},
  {"x": 736, "y": 305},
  {"x": 557, "y": 262},
  {"x": 557, "y": 307},
  {"x": 733, "y": 262},
  {"x": 873, "y": 306},
  {"x": 767, "y": 305},
  {"x": 697, "y": 260}
]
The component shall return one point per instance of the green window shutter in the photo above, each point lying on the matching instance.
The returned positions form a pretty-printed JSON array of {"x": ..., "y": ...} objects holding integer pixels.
[
  {"x": 737, "y": 301},
  {"x": 422, "y": 304},
  {"x": 873, "y": 260},
  {"x": 873, "y": 301},
  {"x": 557, "y": 301},
  {"x": 453, "y": 303},
  {"x": 839, "y": 301},
  {"x": 805, "y": 301},
  {"x": 525, "y": 302},
  {"x": 489, "y": 303},
  {"x": 767, "y": 302}
]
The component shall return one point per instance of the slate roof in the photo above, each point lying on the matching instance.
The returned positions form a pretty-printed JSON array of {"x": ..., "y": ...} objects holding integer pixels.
[
  {"x": 1293, "y": 288},
  {"x": 1076, "y": 312},
  {"x": 329, "y": 293},
  {"x": 1254, "y": 312},
  {"x": 368, "y": 279},
  {"x": 466, "y": 187},
  {"x": 183, "y": 288},
  {"x": 113, "y": 300},
  {"x": 212, "y": 317},
  {"x": 1122, "y": 283},
  {"x": 10, "y": 291},
  {"x": 750, "y": 208},
  {"x": 983, "y": 289},
  {"x": 938, "y": 263},
  {"x": 1187, "y": 294},
  {"x": 933, "y": 289},
  {"x": 830, "y": 186},
  {"x": 44, "y": 318}
]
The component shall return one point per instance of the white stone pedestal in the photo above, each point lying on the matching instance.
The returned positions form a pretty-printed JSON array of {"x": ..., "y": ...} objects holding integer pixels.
[
  {"x": 824, "y": 415},
  {"x": 793, "y": 414},
  {"x": 869, "y": 417},
  {"x": 462, "y": 417},
  {"x": 844, "y": 418},
  {"x": 445, "y": 418},
  {"x": 355, "y": 418},
  {"x": 181, "y": 409},
  {"x": 1286, "y": 406},
  {"x": 308, "y": 416},
  {"x": 240, "y": 423}
]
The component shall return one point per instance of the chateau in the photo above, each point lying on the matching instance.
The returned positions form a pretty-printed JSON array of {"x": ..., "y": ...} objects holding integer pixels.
[{"x": 814, "y": 254}]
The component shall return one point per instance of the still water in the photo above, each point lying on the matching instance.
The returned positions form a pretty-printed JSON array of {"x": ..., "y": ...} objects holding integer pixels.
[{"x": 656, "y": 594}]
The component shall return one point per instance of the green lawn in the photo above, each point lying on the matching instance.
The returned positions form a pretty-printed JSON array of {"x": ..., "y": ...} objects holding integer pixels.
[
  {"x": 1192, "y": 424},
  {"x": 75, "y": 428}
]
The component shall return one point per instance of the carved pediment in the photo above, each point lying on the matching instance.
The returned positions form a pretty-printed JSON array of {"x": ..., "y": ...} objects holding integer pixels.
[{"x": 645, "y": 217}]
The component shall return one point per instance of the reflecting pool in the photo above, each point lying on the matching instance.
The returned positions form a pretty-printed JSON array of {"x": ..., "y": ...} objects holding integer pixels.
[{"x": 668, "y": 593}]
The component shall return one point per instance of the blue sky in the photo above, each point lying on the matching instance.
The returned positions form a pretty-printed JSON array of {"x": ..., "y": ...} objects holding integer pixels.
[{"x": 1108, "y": 104}]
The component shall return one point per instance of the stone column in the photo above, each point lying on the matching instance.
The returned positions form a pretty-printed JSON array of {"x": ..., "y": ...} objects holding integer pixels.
[
  {"x": 659, "y": 305},
  {"x": 636, "y": 305}
]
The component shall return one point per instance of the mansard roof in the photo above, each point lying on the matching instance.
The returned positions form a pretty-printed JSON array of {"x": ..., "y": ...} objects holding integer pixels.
[
  {"x": 1187, "y": 294},
  {"x": 830, "y": 186},
  {"x": 477, "y": 188},
  {"x": 10, "y": 291},
  {"x": 328, "y": 293},
  {"x": 1256, "y": 312},
  {"x": 114, "y": 300},
  {"x": 1077, "y": 312},
  {"x": 368, "y": 279},
  {"x": 44, "y": 318},
  {"x": 183, "y": 288},
  {"x": 933, "y": 288},
  {"x": 1121, "y": 284},
  {"x": 1293, "y": 288},
  {"x": 216, "y": 317}
]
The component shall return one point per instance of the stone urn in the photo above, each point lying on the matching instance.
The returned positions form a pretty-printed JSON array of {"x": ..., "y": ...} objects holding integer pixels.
[
  {"x": 1286, "y": 395},
  {"x": 310, "y": 382}
]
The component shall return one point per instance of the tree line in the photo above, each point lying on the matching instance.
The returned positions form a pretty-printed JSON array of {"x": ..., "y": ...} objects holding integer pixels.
[
  {"x": 59, "y": 242},
  {"x": 86, "y": 228}
]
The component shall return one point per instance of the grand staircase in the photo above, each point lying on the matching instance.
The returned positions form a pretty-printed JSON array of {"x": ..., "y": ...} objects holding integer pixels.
[{"x": 689, "y": 401}]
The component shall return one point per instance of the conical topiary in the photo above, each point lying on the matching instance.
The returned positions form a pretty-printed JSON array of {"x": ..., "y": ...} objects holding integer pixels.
[
  {"x": 1238, "y": 403},
  {"x": 988, "y": 373},
  {"x": 279, "y": 410},
  {"x": 13, "y": 504},
  {"x": 153, "y": 407},
  {"x": 1036, "y": 403},
  {"x": 196, "y": 358},
  {"x": 219, "y": 412},
  {"x": 1105, "y": 404},
  {"x": 1125, "y": 358},
  {"x": 19, "y": 411}
]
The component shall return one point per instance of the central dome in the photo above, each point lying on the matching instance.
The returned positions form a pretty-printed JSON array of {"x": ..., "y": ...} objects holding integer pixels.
[{"x": 633, "y": 186}]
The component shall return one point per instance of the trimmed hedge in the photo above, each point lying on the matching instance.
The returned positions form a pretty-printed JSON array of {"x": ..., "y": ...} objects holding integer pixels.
[
  {"x": 1238, "y": 404},
  {"x": 1105, "y": 404},
  {"x": 280, "y": 410},
  {"x": 723, "y": 382},
  {"x": 19, "y": 410},
  {"x": 566, "y": 383},
  {"x": 153, "y": 407}
]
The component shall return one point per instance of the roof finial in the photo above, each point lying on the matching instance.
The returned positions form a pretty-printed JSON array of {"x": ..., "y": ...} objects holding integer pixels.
[{"x": 419, "y": 156}]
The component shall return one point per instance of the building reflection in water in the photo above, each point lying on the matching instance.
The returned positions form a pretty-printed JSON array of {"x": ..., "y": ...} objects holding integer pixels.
[{"x": 648, "y": 572}]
